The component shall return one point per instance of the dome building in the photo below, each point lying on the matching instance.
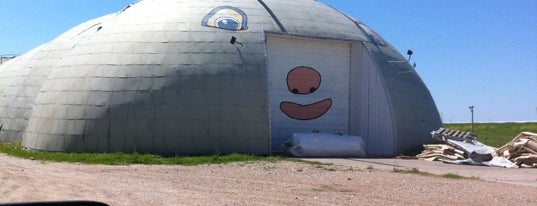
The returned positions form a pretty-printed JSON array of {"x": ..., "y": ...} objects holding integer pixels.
[{"x": 179, "y": 77}]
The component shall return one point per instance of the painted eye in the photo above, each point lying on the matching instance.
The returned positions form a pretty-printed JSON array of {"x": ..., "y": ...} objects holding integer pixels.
[
  {"x": 227, "y": 23},
  {"x": 226, "y": 17}
]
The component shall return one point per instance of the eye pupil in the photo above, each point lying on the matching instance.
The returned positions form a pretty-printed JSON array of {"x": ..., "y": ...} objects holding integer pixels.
[
  {"x": 228, "y": 24},
  {"x": 294, "y": 91},
  {"x": 313, "y": 89}
]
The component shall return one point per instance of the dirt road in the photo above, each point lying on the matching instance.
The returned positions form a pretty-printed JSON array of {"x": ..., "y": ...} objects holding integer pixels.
[{"x": 255, "y": 183}]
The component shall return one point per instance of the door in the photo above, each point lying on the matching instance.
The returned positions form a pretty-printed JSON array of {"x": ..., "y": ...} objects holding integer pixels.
[{"x": 308, "y": 86}]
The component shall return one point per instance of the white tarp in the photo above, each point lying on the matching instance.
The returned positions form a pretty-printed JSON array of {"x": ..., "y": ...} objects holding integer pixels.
[
  {"x": 495, "y": 162},
  {"x": 477, "y": 152},
  {"x": 325, "y": 145}
]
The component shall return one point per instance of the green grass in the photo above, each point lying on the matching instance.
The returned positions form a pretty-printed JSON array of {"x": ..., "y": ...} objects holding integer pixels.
[
  {"x": 411, "y": 171},
  {"x": 416, "y": 171},
  {"x": 15, "y": 149},
  {"x": 495, "y": 134},
  {"x": 458, "y": 177},
  {"x": 452, "y": 176}
]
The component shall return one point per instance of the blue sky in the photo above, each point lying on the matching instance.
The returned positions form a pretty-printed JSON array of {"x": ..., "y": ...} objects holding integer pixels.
[{"x": 479, "y": 52}]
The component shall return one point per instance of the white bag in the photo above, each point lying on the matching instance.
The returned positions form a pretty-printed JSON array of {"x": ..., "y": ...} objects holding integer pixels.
[{"x": 325, "y": 145}]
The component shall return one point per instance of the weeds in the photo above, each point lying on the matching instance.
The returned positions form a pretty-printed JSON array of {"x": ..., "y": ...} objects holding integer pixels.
[
  {"x": 410, "y": 171},
  {"x": 457, "y": 177},
  {"x": 327, "y": 167},
  {"x": 118, "y": 158},
  {"x": 452, "y": 176},
  {"x": 418, "y": 172}
]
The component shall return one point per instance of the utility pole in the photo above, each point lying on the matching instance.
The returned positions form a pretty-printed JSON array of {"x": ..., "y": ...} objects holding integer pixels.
[{"x": 472, "y": 111}]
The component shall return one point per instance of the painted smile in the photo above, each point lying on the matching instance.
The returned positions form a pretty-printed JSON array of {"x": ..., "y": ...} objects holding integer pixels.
[{"x": 306, "y": 112}]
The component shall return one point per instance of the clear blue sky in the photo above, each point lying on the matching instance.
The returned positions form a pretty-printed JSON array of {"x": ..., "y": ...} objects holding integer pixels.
[{"x": 479, "y": 52}]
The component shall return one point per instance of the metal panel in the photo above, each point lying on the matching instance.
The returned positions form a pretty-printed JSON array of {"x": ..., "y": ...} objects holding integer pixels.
[
  {"x": 313, "y": 18},
  {"x": 327, "y": 107},
  {"x": 23, "y": 77},
  {"x": 162, "y": 78},
  {"x": 414, "y": 111},
  {"x": 371, "y": 116}
]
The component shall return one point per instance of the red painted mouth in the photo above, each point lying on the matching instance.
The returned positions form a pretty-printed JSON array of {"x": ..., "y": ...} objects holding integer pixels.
[{"x": 306, "y": 112}]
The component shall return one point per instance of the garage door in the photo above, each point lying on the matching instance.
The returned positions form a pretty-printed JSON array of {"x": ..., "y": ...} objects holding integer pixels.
[{"x": 308, "y": 82}]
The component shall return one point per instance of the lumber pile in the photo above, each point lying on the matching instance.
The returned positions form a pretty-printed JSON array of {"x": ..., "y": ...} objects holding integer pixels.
[
  {"x": 441, "y": 152},
  {"x": 462, "y": 148},
  {"x": 522, "y": 150},
  {"x": 446, "y": 152}
]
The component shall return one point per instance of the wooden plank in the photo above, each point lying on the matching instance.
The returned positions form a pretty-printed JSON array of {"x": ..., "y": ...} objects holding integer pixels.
[
  {"x": 456, "y": 134},
  {"x": 440, "y": 130}
]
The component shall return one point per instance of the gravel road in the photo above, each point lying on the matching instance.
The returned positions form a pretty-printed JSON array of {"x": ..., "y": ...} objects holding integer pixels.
[{"x": 252, "y": 183}]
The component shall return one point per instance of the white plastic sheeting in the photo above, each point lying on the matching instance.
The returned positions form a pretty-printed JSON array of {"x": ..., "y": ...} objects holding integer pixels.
[
  {"x": 477, "y": 152},
  {"x": 495, "y": 162},
  {"x": 325, "y": 145}
]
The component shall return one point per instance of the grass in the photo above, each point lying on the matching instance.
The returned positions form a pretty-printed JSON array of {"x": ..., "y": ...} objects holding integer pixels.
[
  {"x": 495, "y": 134},
  {"x": 325, "y": 166},
  {"x": 15, "y": 149},
  {"x": 411, "y": 171},
  {"x": 458, "y": 177},
  {"x": 418, "y": 172},
  {"x": 452, "y": 176}
]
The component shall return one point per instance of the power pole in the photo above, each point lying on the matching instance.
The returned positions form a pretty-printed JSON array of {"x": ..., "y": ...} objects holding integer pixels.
[{"x": 472, "y": 111}]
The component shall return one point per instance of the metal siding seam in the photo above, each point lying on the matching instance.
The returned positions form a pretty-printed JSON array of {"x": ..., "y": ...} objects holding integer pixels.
[
  {"x": 351, "y": 64},
  {"x": 268, "y": 109},
  {"x": 273, "y": 16},
  {"x": 353, "y": 21}
]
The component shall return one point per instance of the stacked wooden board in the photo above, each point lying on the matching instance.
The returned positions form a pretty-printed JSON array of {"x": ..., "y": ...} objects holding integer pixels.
[
  {"x": 522, "y": 150},
  {"x": 462, "y": 148},
  {"x": 441, "y": 152},
  {"x": 445, "y": 152}
]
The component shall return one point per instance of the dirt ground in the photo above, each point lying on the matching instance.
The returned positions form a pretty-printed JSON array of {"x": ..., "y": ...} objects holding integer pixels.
[{"x": 254, "y": 183}]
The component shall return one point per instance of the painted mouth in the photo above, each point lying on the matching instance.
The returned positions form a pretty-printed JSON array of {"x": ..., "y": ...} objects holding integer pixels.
[{"x": 306, "y": 112}]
